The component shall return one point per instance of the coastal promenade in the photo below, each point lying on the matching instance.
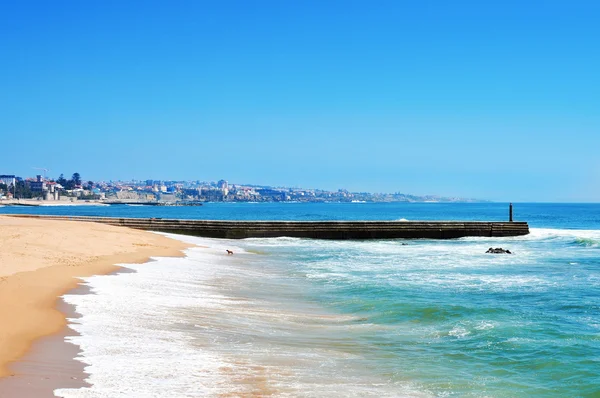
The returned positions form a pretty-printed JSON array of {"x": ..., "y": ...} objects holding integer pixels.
[{"x": 313, "y": 229}]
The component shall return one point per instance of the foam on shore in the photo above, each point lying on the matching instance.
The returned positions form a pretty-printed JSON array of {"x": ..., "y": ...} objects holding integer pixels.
[
  {"x": 299, "y": 317},
  {"x": 213, "y": 324}
]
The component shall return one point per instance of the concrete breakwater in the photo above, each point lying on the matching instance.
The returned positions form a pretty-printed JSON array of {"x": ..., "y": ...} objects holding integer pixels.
[{"x": 314, "y": 229}]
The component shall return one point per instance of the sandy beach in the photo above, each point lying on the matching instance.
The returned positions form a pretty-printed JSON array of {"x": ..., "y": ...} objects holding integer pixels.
[{"x": 40, "y": 260}]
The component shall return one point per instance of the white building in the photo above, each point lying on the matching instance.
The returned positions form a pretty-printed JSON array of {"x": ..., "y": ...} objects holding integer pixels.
[{"x": 8, "y": 180}]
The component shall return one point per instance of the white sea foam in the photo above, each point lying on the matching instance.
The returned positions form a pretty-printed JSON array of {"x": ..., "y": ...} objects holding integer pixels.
[
  {"x": 211, "y": 324},
  {"x": 459, "y": 332},
  {"x": 454, "y": 265},
  {"x": 485, "y": 325},
  {"x": 548, "y": 233},
  {"x": 129, "y": 332}
]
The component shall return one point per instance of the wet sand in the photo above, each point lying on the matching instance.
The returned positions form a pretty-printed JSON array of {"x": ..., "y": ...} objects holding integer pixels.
[
  {"x": 50, "y": 363},
  {"x": 40, "y": 261}
]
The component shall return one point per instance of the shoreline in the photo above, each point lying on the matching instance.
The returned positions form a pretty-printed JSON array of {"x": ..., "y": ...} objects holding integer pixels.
[
  {"x": 49, "y": 203},
  {"x": 42, "y": 261},
  {"x": 50, "y": 362}
]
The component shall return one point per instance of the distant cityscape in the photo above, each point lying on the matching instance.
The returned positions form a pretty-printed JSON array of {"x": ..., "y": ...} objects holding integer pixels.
[{"x": 166, "y": 192}]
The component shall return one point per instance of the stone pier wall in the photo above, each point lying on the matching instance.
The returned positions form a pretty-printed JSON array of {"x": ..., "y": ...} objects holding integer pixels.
[{"x": 315, "y": 229}]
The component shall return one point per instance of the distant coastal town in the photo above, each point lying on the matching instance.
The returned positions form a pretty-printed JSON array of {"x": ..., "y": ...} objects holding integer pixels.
[{"x": 43, "y": 190}]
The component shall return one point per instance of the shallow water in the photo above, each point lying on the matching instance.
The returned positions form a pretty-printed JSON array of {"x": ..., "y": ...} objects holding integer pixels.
[{"x": 299, "y": 317}]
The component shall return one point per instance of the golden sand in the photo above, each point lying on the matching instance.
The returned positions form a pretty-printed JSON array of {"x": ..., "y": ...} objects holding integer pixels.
[{"x": 40, "y": 260}]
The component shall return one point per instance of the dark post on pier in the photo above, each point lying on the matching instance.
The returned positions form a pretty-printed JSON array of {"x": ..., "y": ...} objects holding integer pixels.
[{"x": 510, "y": 213}]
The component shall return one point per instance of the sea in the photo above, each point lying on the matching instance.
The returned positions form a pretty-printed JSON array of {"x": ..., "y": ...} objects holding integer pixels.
[{"x": 288, "y": 317}]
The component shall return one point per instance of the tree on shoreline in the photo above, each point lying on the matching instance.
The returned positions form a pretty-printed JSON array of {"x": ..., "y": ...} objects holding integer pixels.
[
  {"x": 62, "y": 180},
  {"x": 69, "y": 184},
  {"x": 22, "y": 191},
  {"x": 76, "y": 178}
]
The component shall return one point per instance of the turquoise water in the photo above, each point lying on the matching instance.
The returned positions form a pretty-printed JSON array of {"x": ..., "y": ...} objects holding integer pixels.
[
  {"x": 383, "y": 318},
  {"x": 459, "y": 322}
]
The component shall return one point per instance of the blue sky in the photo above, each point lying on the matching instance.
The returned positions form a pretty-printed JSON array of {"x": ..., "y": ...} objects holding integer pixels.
[{"x": 490, "y": 99}]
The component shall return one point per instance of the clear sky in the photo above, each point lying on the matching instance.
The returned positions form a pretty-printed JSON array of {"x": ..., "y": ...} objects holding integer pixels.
[{"x": 497, "y": 100}]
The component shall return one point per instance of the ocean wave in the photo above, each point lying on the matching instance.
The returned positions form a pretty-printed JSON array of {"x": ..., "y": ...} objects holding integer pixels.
[
  {"x": 569, "y": 237},
  {"x": 459, "y": 332},
  {"x": 587, "y": 242},
  {"x": 549, "y": 233}
]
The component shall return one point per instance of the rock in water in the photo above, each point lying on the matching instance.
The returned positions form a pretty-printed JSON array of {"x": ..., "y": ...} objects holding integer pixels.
[{"x": 498, "y": 250}]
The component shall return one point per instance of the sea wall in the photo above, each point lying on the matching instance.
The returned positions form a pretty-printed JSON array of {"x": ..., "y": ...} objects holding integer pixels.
[{"x": 315, "y": 229}]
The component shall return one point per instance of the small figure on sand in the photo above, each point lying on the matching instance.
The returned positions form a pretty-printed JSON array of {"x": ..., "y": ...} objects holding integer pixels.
[
  {"x": 498, "y": 250},
  {"x": 229, "y": 252}
]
